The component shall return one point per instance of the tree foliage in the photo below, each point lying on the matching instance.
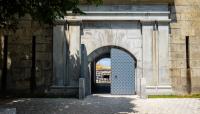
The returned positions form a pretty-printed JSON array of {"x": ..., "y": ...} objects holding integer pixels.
[{"x": 45, "y": 11}]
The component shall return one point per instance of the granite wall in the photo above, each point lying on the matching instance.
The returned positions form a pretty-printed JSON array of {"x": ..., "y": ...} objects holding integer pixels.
[
  {"x": 185, "y": 15},
  {"x": 20, "y": 56}
]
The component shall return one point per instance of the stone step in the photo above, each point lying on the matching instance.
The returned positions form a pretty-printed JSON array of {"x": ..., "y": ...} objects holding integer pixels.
[{"x": 63, "y": 91}]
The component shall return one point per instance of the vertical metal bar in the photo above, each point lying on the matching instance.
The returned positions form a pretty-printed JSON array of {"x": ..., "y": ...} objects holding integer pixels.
[
  {"x": 188, "y": 65},
  {"x": 5, "y": 57},
  {"x": 33, "y": 68}
]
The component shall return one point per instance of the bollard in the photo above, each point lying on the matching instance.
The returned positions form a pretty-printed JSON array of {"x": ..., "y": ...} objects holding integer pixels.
[
  {"x": 81, "y": 88},
  {"x": 143, "y": 88}
]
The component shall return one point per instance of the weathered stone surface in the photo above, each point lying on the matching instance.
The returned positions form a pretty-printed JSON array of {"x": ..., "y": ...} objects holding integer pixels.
[
  {"x": 185, "y": 16},
  {"x": 20, "y": 54},
  {"x": 177, "y": 47}
]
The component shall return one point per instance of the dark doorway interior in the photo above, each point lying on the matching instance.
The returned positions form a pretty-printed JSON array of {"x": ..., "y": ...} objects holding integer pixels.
[{"x": 101, "y": 74}]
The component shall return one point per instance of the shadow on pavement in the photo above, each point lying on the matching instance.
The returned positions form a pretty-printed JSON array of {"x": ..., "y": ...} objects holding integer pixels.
[{"x": 94, "y": 104}]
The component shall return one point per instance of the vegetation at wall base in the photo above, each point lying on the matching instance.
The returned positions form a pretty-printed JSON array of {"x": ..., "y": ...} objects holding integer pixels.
[{"x": 175, "y": 96}]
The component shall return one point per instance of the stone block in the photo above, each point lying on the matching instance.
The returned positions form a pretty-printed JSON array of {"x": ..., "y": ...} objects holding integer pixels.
[
  {"x": 195, "y": 81},
  {"x": 184, "y": 81},
  {"x": 47, "y": 65},
  {"x": 44, "y": 40},
  {"x": 183, "y": 72},
  {"x": 177, "y": 55},
  {"x": 194, "y": 55},
  {"x": 48, "y": 76},
  {"x": 41, "y": 47},
  {"x": 185, "y": 2},
  {"x": 26, "y": 63},
  {"x": 27, "y": 73},
  {"x": 175, "y": 72},
  {"x": 22, "y": 85},
  {"x": 174, "y": 81},
  {"x": 195, "y": 47},
  {"x": 195, "y": 41},
  {"x": 195, "y": 63},
  {"x": 175, "y": 25},
  {"x": 177, "y": 47},
  {"x": 195, "y": 72},
  {"x": 185, "y": 9},
  {"x": 18, "y": 73},
  {"x": 81, "y": 88},
  {"x": 40, "y": 79},
  {"x": 43, "y": 56},
  {"x": 187, "y": 28},
  {"x": 190, "y": 16},
  {"x": 195, "y": 90},
  {"x": 178, "y": 64},
  {"x": 195, "y": 84}
]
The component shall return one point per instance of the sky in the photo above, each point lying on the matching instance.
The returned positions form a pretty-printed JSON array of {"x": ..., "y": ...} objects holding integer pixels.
[{"x": 105, "y": 62}]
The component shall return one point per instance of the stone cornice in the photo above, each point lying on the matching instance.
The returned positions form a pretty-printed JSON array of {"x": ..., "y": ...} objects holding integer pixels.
[
  {"x": 115, "y": 18},
  {"x": 119, "y": 12},
  {"x": 128, "y": 2}
]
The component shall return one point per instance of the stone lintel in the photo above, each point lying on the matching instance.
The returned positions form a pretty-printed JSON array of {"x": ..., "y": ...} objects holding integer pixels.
[
  {"x": 155, "y": 21},
  {"x": 60, "y": 22},
  {"x": 74, "y": 21}
]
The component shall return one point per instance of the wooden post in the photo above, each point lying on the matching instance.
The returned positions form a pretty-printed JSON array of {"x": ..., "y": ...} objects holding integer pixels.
[
  {"x": 33, "y": 68},
  {"x": 188, "y": 78},
  {"x": 5, "y": 57}
]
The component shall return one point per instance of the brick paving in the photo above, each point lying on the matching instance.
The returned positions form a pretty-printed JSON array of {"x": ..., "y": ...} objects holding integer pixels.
[{"x": 103, "y": 104}]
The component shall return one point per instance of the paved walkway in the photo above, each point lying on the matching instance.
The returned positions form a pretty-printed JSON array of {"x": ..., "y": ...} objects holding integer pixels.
[{"x": 103, "y": 104}]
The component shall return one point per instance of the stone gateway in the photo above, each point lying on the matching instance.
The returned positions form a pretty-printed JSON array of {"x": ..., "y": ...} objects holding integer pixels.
[{"x": 153, "y": 46}]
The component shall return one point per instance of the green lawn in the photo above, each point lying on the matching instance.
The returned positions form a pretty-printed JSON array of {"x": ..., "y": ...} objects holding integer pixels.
[{"x": 175, "y": 96}]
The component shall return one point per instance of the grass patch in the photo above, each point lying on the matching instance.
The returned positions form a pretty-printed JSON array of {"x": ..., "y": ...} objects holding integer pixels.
[{"x": 174, "y": 96}]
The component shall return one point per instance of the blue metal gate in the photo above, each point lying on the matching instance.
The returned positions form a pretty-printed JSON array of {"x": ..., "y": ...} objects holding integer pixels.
[{"x": 123, "y": 73}]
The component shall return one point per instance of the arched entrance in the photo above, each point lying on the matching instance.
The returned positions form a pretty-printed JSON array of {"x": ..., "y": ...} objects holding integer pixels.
[{"x": 122, "y": 75}]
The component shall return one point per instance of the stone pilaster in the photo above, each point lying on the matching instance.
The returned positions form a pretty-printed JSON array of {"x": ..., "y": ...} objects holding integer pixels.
[
  {"x": 74, "y": 51},
  {"x": 59, "y": 54}
]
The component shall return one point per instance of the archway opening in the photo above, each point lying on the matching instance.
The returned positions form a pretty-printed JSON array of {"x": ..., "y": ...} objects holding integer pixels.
[
  {"x": 103, "y": 75},
  {"x": 103, "y": 79}
]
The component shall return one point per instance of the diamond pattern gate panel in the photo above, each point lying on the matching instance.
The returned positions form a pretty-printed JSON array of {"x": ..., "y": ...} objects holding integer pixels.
[{"x": 123, "y": 70}]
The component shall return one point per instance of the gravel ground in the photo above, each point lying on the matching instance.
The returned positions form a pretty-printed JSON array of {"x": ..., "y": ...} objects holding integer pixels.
[{"x": 103, "y": 104}]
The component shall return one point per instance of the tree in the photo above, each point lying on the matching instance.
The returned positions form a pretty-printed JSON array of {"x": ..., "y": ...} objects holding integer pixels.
[{"x": 45, "y": 11}]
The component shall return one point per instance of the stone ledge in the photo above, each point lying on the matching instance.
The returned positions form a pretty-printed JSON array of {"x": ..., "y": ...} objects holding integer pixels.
[
  {"x": 115, "y": 2},
  {"x": 65, "y": 91},
  {"x": 159, "y": 90},
  {"x": 7, "y": 110}
]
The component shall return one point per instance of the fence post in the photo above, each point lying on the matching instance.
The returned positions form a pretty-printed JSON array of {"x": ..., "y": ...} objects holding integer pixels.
[{"x": 33, "y": 68}]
